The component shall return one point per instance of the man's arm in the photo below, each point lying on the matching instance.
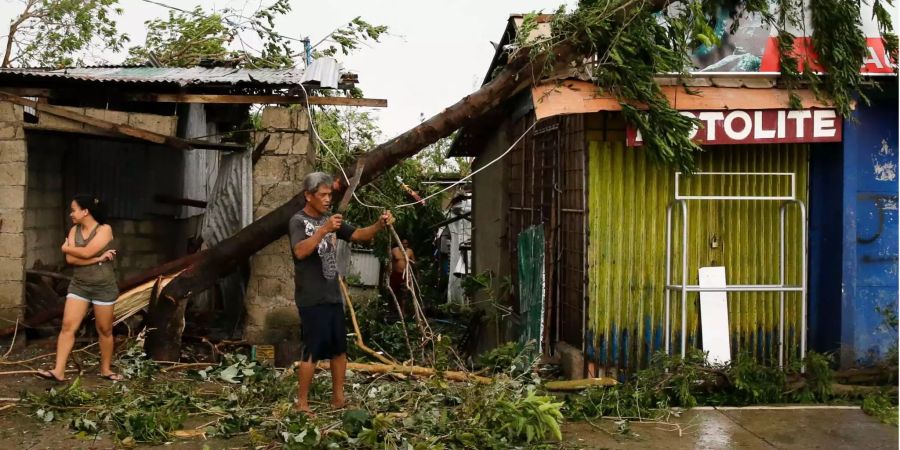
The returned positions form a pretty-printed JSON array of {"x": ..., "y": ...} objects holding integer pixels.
[
  {"x": 307, "y": 246},
  {"x": 368, "y": 233}
]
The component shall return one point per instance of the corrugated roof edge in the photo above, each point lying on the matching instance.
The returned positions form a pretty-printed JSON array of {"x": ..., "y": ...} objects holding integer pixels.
[{"x": 323, "y": 72}]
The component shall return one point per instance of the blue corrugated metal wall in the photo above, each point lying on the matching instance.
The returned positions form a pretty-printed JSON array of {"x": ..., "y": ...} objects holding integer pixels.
[{"x": 870, "y": 231}]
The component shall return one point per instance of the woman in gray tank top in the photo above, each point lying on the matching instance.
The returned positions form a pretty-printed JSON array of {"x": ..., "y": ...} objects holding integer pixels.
[{"x": 89, "y": 248}]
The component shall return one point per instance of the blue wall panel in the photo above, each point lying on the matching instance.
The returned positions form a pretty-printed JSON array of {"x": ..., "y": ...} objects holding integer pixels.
[{"x": 870, "y": 233}]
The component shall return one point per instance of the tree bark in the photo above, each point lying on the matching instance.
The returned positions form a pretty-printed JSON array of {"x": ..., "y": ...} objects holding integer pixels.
[{"x": 520, "y": 72}]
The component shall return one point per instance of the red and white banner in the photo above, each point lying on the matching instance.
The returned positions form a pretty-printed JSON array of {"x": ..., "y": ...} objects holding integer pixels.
[{"x": 767, "y": 126}]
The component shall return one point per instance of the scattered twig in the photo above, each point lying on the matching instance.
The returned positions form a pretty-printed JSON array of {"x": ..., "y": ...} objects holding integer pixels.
[
  {"x": 13, "y": 343},
  {"x": 186, "y": 366},
  {"x": 31, "y": 372},
  {"x": 46, "y": 355},
  {"x": 359, "y": 339}
]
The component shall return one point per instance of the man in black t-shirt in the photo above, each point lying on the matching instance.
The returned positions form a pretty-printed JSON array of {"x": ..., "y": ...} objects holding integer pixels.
[{"x": 314, "y": 232}]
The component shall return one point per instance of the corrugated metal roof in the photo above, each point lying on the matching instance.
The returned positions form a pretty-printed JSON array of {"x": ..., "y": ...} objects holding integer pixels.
[{"x": 326, "y": 72}]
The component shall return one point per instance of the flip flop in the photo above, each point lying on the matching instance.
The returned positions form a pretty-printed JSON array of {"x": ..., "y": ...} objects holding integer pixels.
[
  {"x": 48, "y": 375},
  {"x": 112, "y": 377}
]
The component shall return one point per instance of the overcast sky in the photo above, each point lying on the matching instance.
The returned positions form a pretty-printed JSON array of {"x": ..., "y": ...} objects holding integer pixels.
[{"x": 438, "y": 51}]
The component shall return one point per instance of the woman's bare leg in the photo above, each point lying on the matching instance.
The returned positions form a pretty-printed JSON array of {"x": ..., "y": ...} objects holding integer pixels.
[
  {"x": 73, "y": 314},
  {"x": 103, "y": 316}
]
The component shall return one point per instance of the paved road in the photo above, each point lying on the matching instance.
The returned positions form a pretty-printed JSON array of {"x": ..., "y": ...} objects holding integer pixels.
[{"x": 744, "y": 428}]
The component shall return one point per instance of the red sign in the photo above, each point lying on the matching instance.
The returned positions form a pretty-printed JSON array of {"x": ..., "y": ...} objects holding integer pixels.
[
  {"x": 877, "y": 60},
  {"x": 766, "y": 126}
]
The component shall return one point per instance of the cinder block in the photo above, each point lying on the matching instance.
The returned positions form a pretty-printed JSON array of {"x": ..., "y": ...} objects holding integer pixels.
[
  {"x": 166, "y": 125},
  {"x": 280, "y": 247},
  {"x": 146, "y": 227},
  {"x": 13, "y": 174},
  {"x": 301, "y": 144},
  {"x": 571, "y": 360},
  {"x": 281, "y": 143},
  {"x": 129, "y": 227},
  {"x": 12, "y": 197},
  {"x": 12, "y": 294},
  {"x": 271, "y": 169},
  {"x": 274, "y": 195},
  {"x": 13, "y": 221},
  {"x": 138, "y": 245},
  {"x": 11, "y": 112},
  {"x": 51, "y": 121},
  {"x": 12, "y": 245},
  {"x": 302, "y": 119},
  {"x": 11, "y": 130},
  {"x": 277, "y": 117},
  {"x": 13, "y": 151},
  {"x": 281, "y": 266},
  {"x": 275, "y": 287},
  {"x": 12, "y": 269}
]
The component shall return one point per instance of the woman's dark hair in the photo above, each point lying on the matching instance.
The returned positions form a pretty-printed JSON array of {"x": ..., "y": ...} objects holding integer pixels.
[{"x": 92, "y": 204}]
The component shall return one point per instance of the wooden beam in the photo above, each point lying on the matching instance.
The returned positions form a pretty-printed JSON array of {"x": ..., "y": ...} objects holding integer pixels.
[
  {"x": 118, "y": 128},
  {"x": 172, "y": 200},
  {"x": 256, "y": 99}
]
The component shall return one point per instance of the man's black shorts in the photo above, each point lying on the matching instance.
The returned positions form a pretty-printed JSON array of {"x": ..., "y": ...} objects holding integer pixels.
[{"x": 322, "y": 331}]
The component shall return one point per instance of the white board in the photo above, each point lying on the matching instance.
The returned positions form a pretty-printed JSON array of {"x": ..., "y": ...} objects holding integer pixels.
[{"x": 714, "y": 316}]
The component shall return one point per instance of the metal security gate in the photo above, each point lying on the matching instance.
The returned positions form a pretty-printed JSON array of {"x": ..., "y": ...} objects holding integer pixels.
[
  {"x": 547, "y": 180},
  {"x": 781, "y": 287}
]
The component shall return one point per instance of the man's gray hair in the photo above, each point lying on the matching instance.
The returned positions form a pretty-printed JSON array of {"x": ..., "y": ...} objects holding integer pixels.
[{"x": 312, "y": 181}]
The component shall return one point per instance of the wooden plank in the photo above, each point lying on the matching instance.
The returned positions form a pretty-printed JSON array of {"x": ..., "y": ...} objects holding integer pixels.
[
  {"x": 172, "y": 200},
  {"x": 119, "y": 129},
  {"x": 714, "y": 316},
  {"x": 578, "y": 97},
  {"x": 256, "y": 99}
]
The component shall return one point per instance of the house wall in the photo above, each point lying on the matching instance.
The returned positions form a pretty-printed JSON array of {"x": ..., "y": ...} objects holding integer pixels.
[
  {"x": 489, "y": 239},
  {"x": 46, "y": 218},
  {"x": 143, "y": 244},
  {"x": 627, "y": 198},
  {"x": 870, "y": 241},
  {"x": 13, "y": 167},
  {"x": 271, "y": 312}
]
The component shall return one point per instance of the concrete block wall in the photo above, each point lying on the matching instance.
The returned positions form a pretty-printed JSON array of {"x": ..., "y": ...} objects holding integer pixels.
[
  {"x": 166, "y": 125},
  {"x": 289, "y": 155},
  {"x": 46, "y": 219},
  {"x": 13, "y": 169},
  {"x": 143, "y": 244}
]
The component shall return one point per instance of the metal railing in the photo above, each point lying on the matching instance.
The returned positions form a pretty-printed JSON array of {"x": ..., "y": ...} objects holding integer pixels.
[{"x": 681, "y": 203}]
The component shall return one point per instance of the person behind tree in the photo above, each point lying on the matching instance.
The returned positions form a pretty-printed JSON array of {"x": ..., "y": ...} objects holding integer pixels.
[
  {"x": 313, "y": 234},
  {"x": 398, "y": 272},
  {"x": 89, "y": 248}
]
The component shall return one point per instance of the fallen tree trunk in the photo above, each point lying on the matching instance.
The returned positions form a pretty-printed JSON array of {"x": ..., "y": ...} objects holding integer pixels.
[
  {"x": 410, "y": 370},
  {"x": 579, "y": 385},
  {"x": 215, "y": 262}
]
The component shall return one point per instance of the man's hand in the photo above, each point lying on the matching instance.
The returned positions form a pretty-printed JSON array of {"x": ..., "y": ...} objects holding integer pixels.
[
  {"x": 333, "y": 223},
  {"x": 387, "y": 218}
]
